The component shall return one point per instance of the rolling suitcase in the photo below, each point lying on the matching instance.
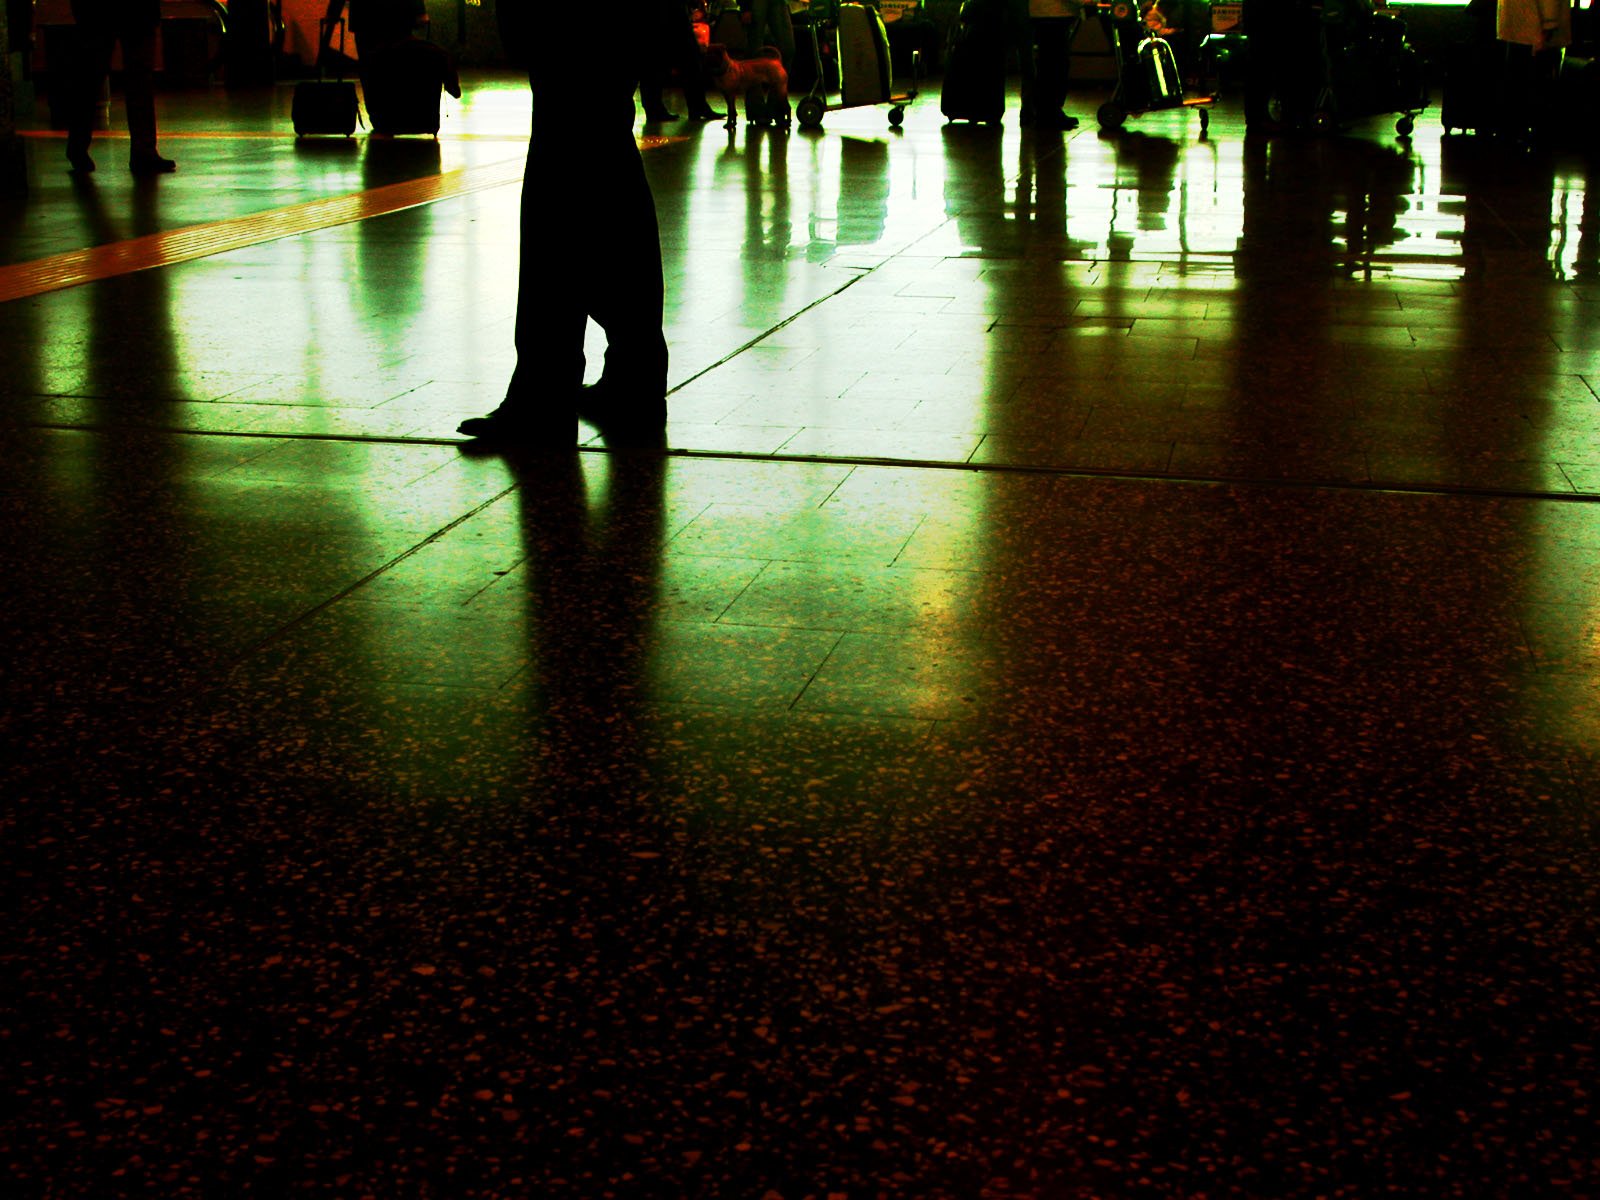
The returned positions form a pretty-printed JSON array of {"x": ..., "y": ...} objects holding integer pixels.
[
  {"x": 325, "y": 106},
  {"x": 975, "y": 69},
  {"x": 865, "y": 76},
  {"x": 402, "y": 84},
  {"x": 1158, "y": 68}
]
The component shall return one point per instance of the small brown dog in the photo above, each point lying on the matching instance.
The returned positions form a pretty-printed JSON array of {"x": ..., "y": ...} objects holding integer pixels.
[{"x": 742, "y": 76}]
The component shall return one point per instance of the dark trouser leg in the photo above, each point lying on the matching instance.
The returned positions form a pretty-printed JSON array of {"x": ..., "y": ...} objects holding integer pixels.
[
  {"x": 139, "y": 89},
  {"x": 772, "y": 26},
  {"x": 590, "y": 248},
  {"x": 551, "y": 315},
  {"x": 1019, "y": 36},
  {"x": 1053, "y": 42},
  {"x": 689, "y": 59},
  {"x": 90, "y": 67},
  {"x": 629, "y": 304}
]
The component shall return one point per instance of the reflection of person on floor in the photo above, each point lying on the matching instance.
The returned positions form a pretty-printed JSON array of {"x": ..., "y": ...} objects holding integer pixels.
[
  {"x": 1055, "y": 26},
  {"x": 1535, "y": 33},
  {"x": 591, "y": 247},
  {"x": 102, "y": 25}
]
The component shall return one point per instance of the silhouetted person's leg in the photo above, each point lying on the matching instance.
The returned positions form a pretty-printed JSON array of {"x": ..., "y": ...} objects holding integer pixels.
[
  {"x": 139, "y": 95},
  {"x": 628, "y": 304},
  {"x": 590, "y": 249},
  {"x": 771, "y": 26},
  {"x": 1053, "y": 40},
  {"x": 683, "y": 52},
  {"x": 96, "y": 40},
  {"x": 1018, "y": 27}
]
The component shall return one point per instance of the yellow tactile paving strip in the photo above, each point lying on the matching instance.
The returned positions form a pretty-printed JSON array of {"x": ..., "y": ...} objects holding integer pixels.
[{"x": 200, "y": 241}]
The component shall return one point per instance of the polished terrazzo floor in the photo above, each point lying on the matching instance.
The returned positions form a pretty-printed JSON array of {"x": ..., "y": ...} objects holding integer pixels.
[{"x": 1100, "y": 698}]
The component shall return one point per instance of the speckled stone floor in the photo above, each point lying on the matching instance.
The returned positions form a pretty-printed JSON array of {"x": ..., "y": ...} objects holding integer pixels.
[{"x": 1100, "y": 699}]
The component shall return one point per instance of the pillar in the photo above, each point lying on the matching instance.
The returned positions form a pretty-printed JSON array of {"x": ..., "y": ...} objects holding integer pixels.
[{"x": 13, "y": 166}]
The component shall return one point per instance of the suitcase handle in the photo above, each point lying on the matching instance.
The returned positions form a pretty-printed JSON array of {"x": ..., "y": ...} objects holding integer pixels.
[{"x": 324, "y": 42}]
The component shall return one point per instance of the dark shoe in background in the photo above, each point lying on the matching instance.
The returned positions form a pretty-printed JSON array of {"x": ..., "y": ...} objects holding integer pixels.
[
  {"x": 151, "y": 164},
  {"x": 1060, "y": 122}
]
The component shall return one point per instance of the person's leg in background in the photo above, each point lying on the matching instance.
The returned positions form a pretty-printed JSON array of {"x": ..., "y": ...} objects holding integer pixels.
[
  {"x": 1052, "y": 39},
  {"x": 1263, "y": 26},
  {"x": 684, "y": 52},
  {"x": 96, "y": 39},
  {"x": 659, "y": 52},
  {"x": 1017, "y": 33},
  {"x": 138, "y": 38},
  {"x": 771, "y": 26}
]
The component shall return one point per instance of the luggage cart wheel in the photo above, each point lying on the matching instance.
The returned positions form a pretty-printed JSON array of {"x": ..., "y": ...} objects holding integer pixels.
[
  {"x": 1405, "y": 125},
  {"x": 897, "y": 114},
  {"x": 1110, "y": 115},
  {"x": 1322, "y": 121},
  {"x": 809, "y": 113}
]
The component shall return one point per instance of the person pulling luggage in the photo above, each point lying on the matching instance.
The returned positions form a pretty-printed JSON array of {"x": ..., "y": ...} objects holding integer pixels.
[{"x": 373, "y": 23}]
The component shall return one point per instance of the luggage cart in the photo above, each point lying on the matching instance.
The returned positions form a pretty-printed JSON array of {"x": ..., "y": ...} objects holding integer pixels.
[
  {"x": 1369, "y": 68},
  {"x": 862, "y": 47},
  {"x": 1147, "y": 75}
]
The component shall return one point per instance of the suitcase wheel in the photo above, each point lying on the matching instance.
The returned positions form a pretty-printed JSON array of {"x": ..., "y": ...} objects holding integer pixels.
[
  {"x": 809, "y": 113},
  {"x": 897, "y": 114},
  {"x": 1405, "y": 125},
  {"x": 1111, "y": 115}
]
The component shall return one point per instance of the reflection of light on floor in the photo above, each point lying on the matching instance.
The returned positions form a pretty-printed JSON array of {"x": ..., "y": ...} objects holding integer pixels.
[{"x": 1574, "y": 229}]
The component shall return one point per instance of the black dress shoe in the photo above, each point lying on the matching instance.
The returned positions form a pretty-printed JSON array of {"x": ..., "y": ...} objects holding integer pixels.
[
  {"x": 1058, "y": 121},
  {"x": 514, "y": 428},
  {"x": 660, "y": 114},
  {"x": 151, "y": 164}
]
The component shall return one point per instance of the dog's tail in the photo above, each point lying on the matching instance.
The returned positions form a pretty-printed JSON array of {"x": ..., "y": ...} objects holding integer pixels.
[{"x": 769, "y": 52}]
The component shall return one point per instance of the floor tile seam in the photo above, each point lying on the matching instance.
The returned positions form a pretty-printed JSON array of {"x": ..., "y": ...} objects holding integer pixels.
[
  {"x": 283, "y": 630},
  {"x": 821, "y": 666},
  {"x": 766, "y": 565},
  {"x": 850, "y": 282},
  {"x": 1273, "y": 483}
]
